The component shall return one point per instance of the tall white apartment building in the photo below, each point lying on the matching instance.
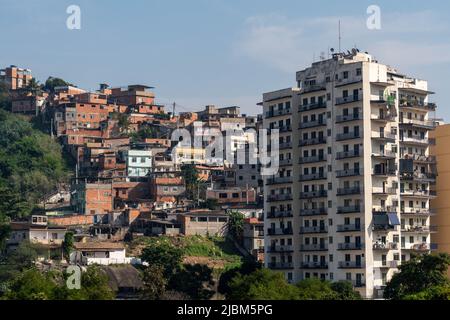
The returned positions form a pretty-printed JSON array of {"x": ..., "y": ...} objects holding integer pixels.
[{"x": 352, "y": 196}]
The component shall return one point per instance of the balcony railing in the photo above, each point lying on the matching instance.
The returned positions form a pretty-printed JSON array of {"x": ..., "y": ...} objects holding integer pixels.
[
  {"x": 274, "y": 249},
  {"x": 313, "y": 176},
  {"x": 349, "y": 154},
  {"x": 428, "y": 124},
  {"x": 417, "y": 193},
  {"x": 419, "y": 229},
  {"x": 350, "y": 227},
  {"x": 279, "y": 180},
  {"x": 349, "y": 191},
  {"x": 279, "y": 214},
  {"x": 349, "y": 99},
  {"x": 312, "y": 141},
  {"x": 351, "y": 246},
  {"x": 312, "y": 159},
  {"x": 277, "y": 113},
  {"x": 285, "y": 162},
  {"x": 388, "y": 264},
  {"x": 349, "y": 209},
  {"x": 383, "y": 117},
  {"x": 312, "y": 124},
  {"x": 313, "y": 247},
  {"x": 349, "y": 173},
  {"x": 312, "y": 106},
  {"x": 314, "y": 194},
  {"x": 419, "y": 176},
  {"x": 313, "y": 212},
  {"x": 314, "y": 265},
  {"x": 420, "y": 158},
  {"x": 349, "y": 117},
  {"x": 422, "y": 247},
  {"x": 417, "y": 211},
  {"x": 279, "y": 231},
  {"x": 316, "y": 229},
  {"x": 417, "y": 140},
  {"x": 384, "y": 191},
  {"x": 351, "y": 264},
  {"x": 279, "y": 197},
  {"x": 386, "y": 136},
  {"x": 388, "y": 154},
  {"x": 385, "y": 246},
  {"x": 348, "y": 136},
  {"x": 281, "y": 265},
  {"x": 285, "y": 145},
  {"x": 417, "y": 104}
]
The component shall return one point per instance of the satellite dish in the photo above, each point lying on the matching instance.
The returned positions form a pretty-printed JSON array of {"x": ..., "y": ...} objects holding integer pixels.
[{"x": 332, "y": 49}]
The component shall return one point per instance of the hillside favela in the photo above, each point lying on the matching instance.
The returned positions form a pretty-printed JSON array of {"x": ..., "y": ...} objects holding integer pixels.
[{"x": 335, "y": 188}]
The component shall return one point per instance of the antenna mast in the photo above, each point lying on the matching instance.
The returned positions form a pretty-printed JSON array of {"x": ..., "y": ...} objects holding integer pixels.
[{"x": 339, "y": 27}]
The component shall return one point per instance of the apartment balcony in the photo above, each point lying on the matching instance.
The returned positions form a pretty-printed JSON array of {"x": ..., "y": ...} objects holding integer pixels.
[
  {"x": 418, "y": 212},
  {"x": 350, "y": 228},
  {"x": 358, "y": 283},
  {"x": 384, "y": 136},
  {"x": 385, "y": 155},
  {"x": 280, "y": 249},
  {"x": 385, "y": 172},
  {"x": 279, "y": 197},
  {"x": 313, "y": 124},
  {"x": 351, "y": 246},
  {"x": 349, "y": 117},
  {"x": 419, "y": 247},
  {"x": 313, "y": 247},
  {"x": 420, "y": 158},
  {"x": 417, "y": 123},
  {"x": 423, "y": 194},
  {"x": 349, "y": 136},
  {"x": 285, "y": 145},
  {"x": 349, "y": 173},
  {"x": 350, "y": 209},
  {"x": 416, "y": 104},
  {"x": 313, "y": 212},
  {"x": 384, "y": 191},
  {"x": 319, "y": 158},
  {"x": 313, "y": 177},
  {"x": 349, "y": 154},
  {"x": 285, "y": 162},
  {"x": 281, "y": 265},
  {"x": 417, "y": 140},
  {"x": 313, "y": 106},
  {"x": 278, "y": 113},
  {"x": 313, "y": 230},
  {"x": 314, "y": 88},
  {"x": 419, "y": 229},
  {"x": 384, "y": 118},
  {"x": 349, "y": 191},
  {"x": 314, "y": 265},
  {"x": 419, "y": 177},
  {"x": 279, "y": 180},
  {"x": 279, "y": 214},
  {"x": 312, "y": 142},
  {"x": 280, "y": 231},
  {"x": 385, "y": 246},
  {"x": 349, "y": 99},
  {"x": 387, "y": 264},
  {"x": 314, "y": 194},
  {"x": 384, "y": 210},
  {"x": 351, "y": 265}
]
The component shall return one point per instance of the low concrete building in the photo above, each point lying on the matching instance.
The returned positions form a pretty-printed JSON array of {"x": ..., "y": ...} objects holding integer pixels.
[
  {"x": 203, "y": 223},
  {"x": 102, "y": 253},
  {"x": 253, "y": 237}
]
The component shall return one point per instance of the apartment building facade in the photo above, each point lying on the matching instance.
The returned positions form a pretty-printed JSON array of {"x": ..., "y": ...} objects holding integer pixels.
[
  {"x": 360, "y": 179},
  {"x": 15, "y": 77}
]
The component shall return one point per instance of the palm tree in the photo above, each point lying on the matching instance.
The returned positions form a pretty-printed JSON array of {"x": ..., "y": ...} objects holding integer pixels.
[{"x": 33, "y": 87}]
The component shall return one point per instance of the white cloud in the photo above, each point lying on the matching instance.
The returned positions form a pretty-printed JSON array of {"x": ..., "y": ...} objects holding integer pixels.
[{"x": 290, "y": 44}]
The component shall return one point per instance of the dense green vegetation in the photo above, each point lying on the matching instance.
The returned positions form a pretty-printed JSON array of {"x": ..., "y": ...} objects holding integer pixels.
[
  {"x": 51, "y": 83},
  {"x": 264, "y": 284},
  {"x": 423, "y": 277},
  {"x": 31, "y": 165}
]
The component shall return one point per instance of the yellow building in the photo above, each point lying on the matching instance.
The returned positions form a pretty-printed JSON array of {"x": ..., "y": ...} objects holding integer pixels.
[{"x": 442, "y": 203}]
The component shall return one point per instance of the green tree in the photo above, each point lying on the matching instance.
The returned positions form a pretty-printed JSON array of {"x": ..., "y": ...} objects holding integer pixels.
[
  {"x": 5, "y": 99},
  {"x": 315, "y": 289},
  {"x": 51, "y": 83},
  {"x": 235, "y": 225},
  {"x": 154, "y": 282},
  {"x": 68, "y": 245},
  {"x": 195, "y": 281},
  {"x": 34, "y": 87},
  {"x": 191, "y": 180},
  {"x": 95, "y": 286},
  {"x": 262, "y": 284},
  {"x": 418, "y": 276},
  {"x": 31, "y": 285},
  {"x": 344, "y": 291},
  {"x": 163, "y": 254},
  {"x": 5, "y": 231}
]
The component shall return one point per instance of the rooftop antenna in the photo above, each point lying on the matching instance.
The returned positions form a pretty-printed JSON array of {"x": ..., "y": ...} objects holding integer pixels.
[{"x": 339, "y": 27}]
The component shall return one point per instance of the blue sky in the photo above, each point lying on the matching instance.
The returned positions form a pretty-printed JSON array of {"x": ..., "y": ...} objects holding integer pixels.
[{"x": 223, "y": 52}]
